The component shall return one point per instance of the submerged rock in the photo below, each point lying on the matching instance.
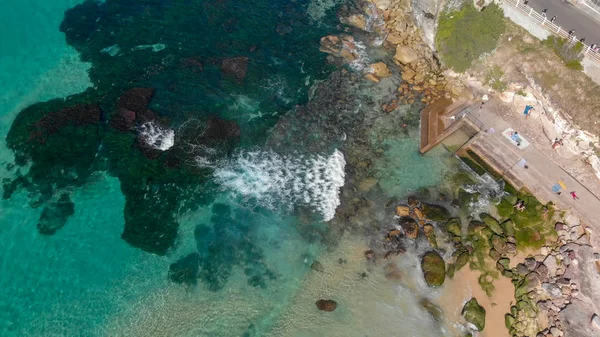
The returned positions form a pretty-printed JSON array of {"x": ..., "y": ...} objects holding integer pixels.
[
  {"x": 326, "y": 305},
  {"x": 185, "y": 270},
  {"x": 317, "y": 266},
  {"x": 434, "y": 268},
  {"x": 236, "y": 67},
  {"x": 432, "y": 309},
  {"x": 474, "y": 314},
  {"x": 55, "y": 215}
]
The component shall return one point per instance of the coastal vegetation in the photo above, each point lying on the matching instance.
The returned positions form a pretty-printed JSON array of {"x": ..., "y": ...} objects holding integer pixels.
[
  {"x": 465, "y": 35},
  {"x": 570, "y": 52}
]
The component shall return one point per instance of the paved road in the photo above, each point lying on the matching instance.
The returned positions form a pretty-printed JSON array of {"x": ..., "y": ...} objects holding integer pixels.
[{"x": 570, "y": 17}]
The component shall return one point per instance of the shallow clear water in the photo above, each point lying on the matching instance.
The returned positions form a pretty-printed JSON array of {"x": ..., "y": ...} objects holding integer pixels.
[{"x": 258, "y": 227}]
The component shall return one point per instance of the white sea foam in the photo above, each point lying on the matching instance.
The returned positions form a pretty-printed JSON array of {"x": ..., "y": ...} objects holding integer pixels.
[
  {"x": 157, "y": 137},
  {"x": 274, "y": 180},
  {"x": 362, "y": 61},
  {"x": 111, "y": 50},
  {"x": 490, "y": 192}
]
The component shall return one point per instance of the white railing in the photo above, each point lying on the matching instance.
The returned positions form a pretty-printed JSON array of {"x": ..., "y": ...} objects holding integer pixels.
[{"x": 551, "y": 27}]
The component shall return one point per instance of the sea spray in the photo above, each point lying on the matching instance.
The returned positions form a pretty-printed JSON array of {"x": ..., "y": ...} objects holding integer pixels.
[
  {"x": 489, "y": 190},
  {"x": 284, "y": 181},
  {"x": 156, "y": 136}
]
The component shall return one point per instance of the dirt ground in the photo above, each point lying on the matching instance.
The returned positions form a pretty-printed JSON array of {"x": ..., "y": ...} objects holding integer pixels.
[{"x": 524, "y": 60}]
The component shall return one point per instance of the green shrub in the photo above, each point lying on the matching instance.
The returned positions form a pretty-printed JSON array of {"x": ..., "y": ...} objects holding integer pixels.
[
  {"x": 493, "y": 78},
  {"x": 464, "y": 35},
  {"x": 570, "y": 52}
]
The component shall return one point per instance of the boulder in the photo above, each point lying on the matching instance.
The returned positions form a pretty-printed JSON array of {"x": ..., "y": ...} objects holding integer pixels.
[
  {"x": 380, "y": 70},
  {"x": 394, "y": 38},
  {"x": 494, "y": 254},
  {"x": 508, "y": 227},
  {"x": 596, "y": 322},
  {"x": 435, "y": 212},
  {"x": 357, "y": 20},
  {"x": 389, "y": 107},
  {"x": 475, "y": 227},
  {"x": 461, "y": 260},
  {"x": 552, "y": 265},
  {"x": 509, "y": 321},
  {"x": 429, "y": 232},
  {"x": 405, "y": 54},
  {"x": 408, "y": 74},
  {"x": 409, "y": 226},
  {"x": 372, "y": 78},
  {"x": 413, "y": 202},
  {"x": 434, "y": 268},
  {"x": 474, "y": 314},
  {"x": 403, "y": 210},
  {"x": 453, "y": 227},
  {"x": 317, "y": 266},
  {"x": 417, "y": 213},
  {"x": 326, "y": 305},
  {"x": 492, "y": 223},
  {"x": 382, "y": 4},
  {"x": 499, "y": 244}
]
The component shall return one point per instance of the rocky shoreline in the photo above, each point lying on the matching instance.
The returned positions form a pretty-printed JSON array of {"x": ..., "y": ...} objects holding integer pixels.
[{"x": 552, "y": 278}]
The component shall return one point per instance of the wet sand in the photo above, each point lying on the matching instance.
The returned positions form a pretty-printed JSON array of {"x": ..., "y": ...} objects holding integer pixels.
[{"x": 464, "y": 285}]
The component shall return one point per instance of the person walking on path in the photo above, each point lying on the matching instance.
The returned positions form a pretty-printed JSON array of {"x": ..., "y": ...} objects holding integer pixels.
[
  {"x": 574, "y": 195},
  {"x": 527, "y": 110},
  {"x": 571, "y": 33},
  {"x": 553, "y": 19}
]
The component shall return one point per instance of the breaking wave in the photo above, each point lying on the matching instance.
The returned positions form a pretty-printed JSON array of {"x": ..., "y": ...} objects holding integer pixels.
[
  {"x": 490, "y": 192},
  {"x": 157, "y": 137},
  {"x": 276, "y": 181}
]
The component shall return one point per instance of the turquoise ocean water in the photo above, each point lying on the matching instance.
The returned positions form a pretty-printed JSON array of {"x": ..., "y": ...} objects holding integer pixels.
[{"x": 249, "y": 216}]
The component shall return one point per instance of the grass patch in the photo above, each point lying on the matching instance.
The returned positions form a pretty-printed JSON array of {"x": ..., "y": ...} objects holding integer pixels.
[
  {"x": 493, "y": 78},
  {"x": 570, "y": 52},
  {"x": 531, "y": 228},
  {"x": 464, "y": 35}
]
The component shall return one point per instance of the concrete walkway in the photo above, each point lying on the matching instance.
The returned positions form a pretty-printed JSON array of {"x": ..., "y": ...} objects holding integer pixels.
[{"x": 542, "y": 173}]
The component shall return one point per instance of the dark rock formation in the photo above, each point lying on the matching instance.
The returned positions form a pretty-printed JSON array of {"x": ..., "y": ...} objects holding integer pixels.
[
  {"x": 326, "y": 305},
  {"x": 77, "y": 115},
  {"x": 235, "y": 67},
  {"x": 185, "y": 270},
  {"x": 317, "y": 266},
  {"x": 409, "y": 226},
  {"x": 55, "y": 215}
]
